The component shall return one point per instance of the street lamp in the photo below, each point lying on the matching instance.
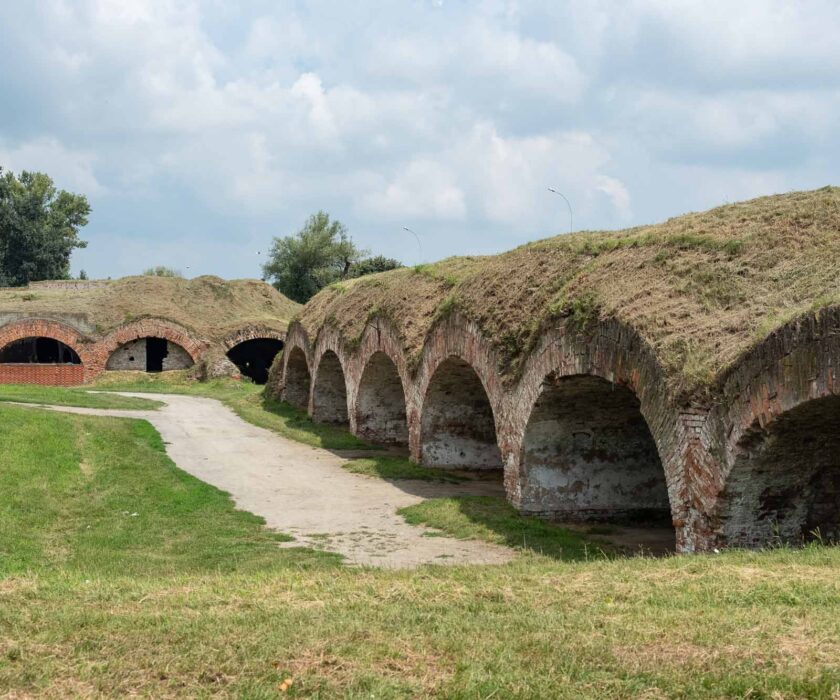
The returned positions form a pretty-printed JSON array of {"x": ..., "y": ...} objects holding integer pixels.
[
  {"x": 417, "y": 238},
  {"x": 568, "y": 204}
]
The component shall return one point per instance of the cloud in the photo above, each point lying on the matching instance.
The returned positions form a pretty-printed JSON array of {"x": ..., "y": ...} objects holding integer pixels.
[
  {"x": 70, "y": 169},
  {"x": 196, "y": 118}
]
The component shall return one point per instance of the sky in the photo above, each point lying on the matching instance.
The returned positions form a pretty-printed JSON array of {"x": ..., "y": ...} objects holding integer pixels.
[{"x": 200, "y": 130}]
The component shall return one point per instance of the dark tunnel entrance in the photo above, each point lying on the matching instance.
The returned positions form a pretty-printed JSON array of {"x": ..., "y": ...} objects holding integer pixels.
[
  {"x": 254, "y": 357},
  {"x": 784, "y": 487},
  {"x": 39, "y": 351},
  {"x": 156, "y": 353}
]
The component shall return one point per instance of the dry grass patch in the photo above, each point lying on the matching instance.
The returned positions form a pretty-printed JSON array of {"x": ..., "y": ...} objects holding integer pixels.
[{"x": 700, "y": 288}]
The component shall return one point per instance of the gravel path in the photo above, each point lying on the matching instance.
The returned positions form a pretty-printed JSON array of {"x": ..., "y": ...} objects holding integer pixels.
[{"x": 303, "y": 491}]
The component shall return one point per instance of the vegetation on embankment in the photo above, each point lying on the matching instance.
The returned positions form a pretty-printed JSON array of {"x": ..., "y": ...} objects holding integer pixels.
[
  {"x": 700, "y": 289},
  {"x": 208, "y": 306},
  {"x": 62, "y": 396},
  {"x": 121, "y": 575}
]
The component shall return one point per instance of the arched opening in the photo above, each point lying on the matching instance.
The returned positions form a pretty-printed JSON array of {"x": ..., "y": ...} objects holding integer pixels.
[
  {"x": 254, "y": 357},
  {"x": 149, "y": 354},
  {"x": 380, "y": 412},
  {"x": 329, "y": 395},
  {"x": 297, "y": 379},
  {"x": 457, "y": 428},
  {"x": 588, "y": 455},
  {"x": 784, "y": 486},
  {"x": 39, "y": 350}
]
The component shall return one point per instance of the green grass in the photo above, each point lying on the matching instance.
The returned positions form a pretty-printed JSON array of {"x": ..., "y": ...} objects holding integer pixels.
[
  {"x": 61, "y": 396},
  {"x": 398, "y": 468},
  {"x": 192, "y": 598},
  {"x": 100, "y": 496},
  {"x": 246, "y": 400},
  {"x": 492, "y": 519}
]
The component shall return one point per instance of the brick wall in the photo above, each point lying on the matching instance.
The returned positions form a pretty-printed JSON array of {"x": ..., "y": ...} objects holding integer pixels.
[{"x": 47, "y": 375}]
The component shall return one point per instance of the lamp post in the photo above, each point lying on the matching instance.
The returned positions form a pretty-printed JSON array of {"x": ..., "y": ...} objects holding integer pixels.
[
  {"x": 417, "y": 238},
  {"x": 568, "y": 204}
]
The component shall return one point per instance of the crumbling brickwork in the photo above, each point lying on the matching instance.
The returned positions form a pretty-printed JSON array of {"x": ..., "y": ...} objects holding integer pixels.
[
  {"x": 182, "y": 350},
  {"x": 589, "y": 429}
]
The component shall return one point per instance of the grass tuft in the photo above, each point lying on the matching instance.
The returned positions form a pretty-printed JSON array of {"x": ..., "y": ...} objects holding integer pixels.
[
  {"x": 396, "y": 468},
  {"x": 492, "y": 519}
]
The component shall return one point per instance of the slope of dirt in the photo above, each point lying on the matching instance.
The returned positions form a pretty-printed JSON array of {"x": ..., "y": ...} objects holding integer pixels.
[
  {"x": 700, "y": 288},
  {"x": 209, "y": 306}
]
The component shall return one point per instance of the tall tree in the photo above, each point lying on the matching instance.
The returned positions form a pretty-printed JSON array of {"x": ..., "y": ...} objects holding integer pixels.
[
  {"x": 320, "y": 253},
  {"x": 39, "y": 227}
]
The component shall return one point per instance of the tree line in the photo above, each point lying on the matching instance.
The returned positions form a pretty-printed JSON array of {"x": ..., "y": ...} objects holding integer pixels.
[{"x": 40, "y": 224}]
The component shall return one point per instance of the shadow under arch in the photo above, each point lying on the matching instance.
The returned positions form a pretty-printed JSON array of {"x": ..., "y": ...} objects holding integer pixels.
[
  {"x": 588, "y": 454},
  {"x": 381, "y": 411},
  {"x": 296, "y": 377},
  {"x": 458, "y": 426},
  {"x": 780, "y": 415},
  {"x": 329, "y": 390},
  {"x": 74, "y": 342}
]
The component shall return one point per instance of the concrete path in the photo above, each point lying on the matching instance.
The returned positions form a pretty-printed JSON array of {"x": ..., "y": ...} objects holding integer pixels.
[{"x": 303, "y": 491}]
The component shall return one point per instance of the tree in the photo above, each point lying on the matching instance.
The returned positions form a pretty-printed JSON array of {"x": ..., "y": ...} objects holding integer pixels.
[
  {"x": 39, "y": 227},
  {"x": 161, "y": 271},
  {"x": 369, "y": 266},
  {"x": 320, "y": 253}
]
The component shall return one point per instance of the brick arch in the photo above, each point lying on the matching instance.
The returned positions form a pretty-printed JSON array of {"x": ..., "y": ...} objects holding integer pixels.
[
  {"x": 151, "y": 328},
  {"x": 456, "y": 337},
  {"x": 780, "y": 404},
  {"x": 796, "y": 363},
  {"x": 332, "y": 386},
  {"x": 251, "y": 332},
  {"x": 616, "y": 355},
  {"x": 45, "y": 328},
  {"x": 296, "y": 341},
  {"x": 380, "y": 340}
]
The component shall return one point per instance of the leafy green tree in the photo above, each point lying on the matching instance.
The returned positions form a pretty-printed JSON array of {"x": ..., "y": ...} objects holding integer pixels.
[
  {"x": 83, "y": 275},
  {"x": 320, "y": 253},
  {"x": 369, "y": 266},
  {"x": 161, "y": 271},
  {"x": 39, "y": 227}
]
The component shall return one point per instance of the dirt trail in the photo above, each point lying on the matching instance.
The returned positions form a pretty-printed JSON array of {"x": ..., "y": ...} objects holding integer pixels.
[{"x": 303, "y": 491}]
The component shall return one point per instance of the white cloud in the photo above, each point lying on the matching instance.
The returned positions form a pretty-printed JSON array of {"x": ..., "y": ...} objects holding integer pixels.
[
  {"x": 459, "y": 114},
  {"x": 70, "y": 169}
]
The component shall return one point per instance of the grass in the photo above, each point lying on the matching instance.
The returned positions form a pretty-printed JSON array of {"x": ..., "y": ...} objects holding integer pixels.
[
  {"x": 61, "y": 396},
  {"x": 492, "y": 519},
  {"x": 386, "y": 467},
  {"x": 245, "y": 399},
  {"x": 208, "y": 306},
  {"x": 719, "y": 280},
  {"x": 100, "y": 496},
  {"x": 191, "y": 598}
]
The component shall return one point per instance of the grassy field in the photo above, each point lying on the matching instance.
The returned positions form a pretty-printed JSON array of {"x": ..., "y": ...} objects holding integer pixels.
[
  {"x": 121, "y": 575},
  {"x": 492, "y": 519},
  {"x": 61, "y": 396}
]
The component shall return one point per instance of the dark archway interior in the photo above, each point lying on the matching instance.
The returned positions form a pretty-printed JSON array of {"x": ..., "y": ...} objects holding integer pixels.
[
  {"x": 588, "y": 454},
  {"x": 381, "y": 414},
  {"x": 297, "y": 379},
  {"x": 785, "y": 484},
  {"x": 156, "y": 352},
  {"x": 329, "y": 395},
  {"x": 457, "y": 428},
  {"x": 254, "y": 357},
  {"x": 39, "y": 350}
]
